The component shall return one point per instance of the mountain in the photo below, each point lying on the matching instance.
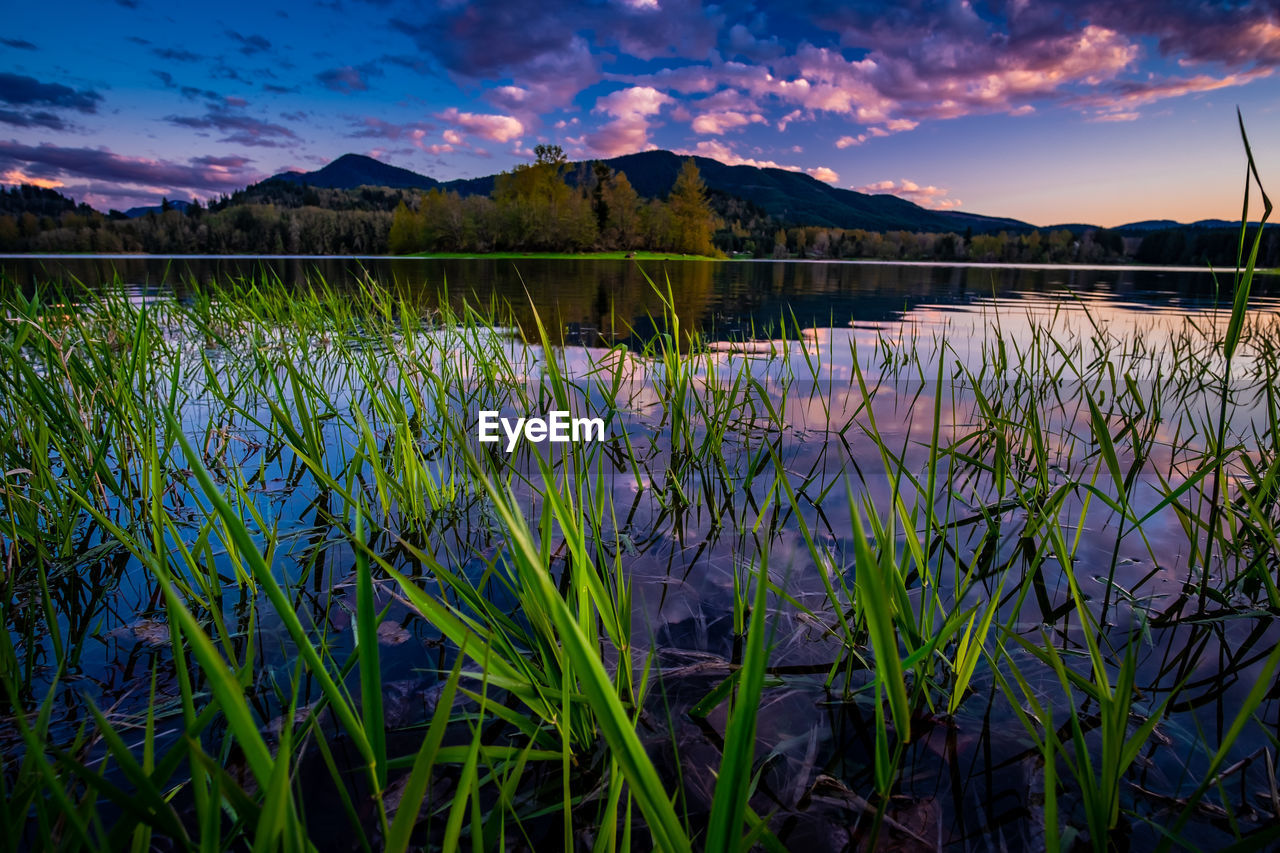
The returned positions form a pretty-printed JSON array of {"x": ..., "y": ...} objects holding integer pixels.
[
  {"x": 354, "y": 170},
  {"x": 177, "y": 204},
  {"x": 1166, "y": 224},
  {"x": 791, "y": 197},
  {"x": 797, "y": 198},
  {"x": 1151, "y": 225}
]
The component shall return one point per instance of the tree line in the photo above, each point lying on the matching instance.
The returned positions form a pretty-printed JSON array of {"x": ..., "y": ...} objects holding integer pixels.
[
  {"x": 533, "y": 208},
  {"x": 542, "y": 207},
  {"x": 253, "y": 229}
]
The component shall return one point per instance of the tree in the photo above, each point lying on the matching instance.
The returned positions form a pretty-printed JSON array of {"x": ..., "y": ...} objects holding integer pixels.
[
  {"x": 602, "y": 175},
  {"x": 623, "y": 202},
  {"x": 780, "y": 245},
  {"x": 692, "y": 219},
  {"x": 403, "y": 237},
  {"x": 536, "y": 203}
]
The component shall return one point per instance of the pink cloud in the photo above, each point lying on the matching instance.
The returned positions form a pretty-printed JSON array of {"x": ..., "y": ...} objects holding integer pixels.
[
  {"x": 716, "y": 150},
  {"x": 931, "y": 197},
  {"x": 716, "y": 123},
  {"x": 496, "y": 128},
  {"x": 822, "y": 173},
  {"x": 892, "y": 126},
  {"x": 632, "y": 109},
  {"x": 1126, "y": 97}
]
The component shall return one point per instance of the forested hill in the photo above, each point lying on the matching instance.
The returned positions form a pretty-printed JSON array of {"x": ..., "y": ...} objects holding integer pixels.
[
  {"x": 798, "y": 199},
  {"x": 355, "y": 170},
  {"x": 788, "y": 197}
]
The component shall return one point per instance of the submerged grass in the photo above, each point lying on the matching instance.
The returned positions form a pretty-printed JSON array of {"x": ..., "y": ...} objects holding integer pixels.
[{"x": 262, "y": 588}]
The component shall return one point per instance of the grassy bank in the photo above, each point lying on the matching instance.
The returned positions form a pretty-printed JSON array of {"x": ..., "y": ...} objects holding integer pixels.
[{"x": 604, "y": 256}]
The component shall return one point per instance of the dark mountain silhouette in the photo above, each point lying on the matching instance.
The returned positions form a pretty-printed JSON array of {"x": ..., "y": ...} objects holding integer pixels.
[
  {"x": 174, "y": 204},
  {"x": 1165, "y": 224},
  {"x": 355, "y": 170},
  {"x": 797, "y": 198}
]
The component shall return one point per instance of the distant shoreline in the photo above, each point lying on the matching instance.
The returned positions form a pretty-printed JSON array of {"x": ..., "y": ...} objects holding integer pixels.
[{"x": 619, "y": 256}]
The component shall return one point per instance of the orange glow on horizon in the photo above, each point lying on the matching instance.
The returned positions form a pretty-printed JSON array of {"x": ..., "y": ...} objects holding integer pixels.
[{"x": 15, "y": 176}]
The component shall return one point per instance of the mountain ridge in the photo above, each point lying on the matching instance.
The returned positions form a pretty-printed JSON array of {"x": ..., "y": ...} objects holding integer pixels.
[
  {"x": 790, "y": 196},
  {"x": 357, "y": 170}
]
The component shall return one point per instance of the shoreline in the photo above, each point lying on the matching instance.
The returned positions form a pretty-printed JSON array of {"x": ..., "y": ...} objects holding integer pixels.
[{"x": 613, "y": 256}]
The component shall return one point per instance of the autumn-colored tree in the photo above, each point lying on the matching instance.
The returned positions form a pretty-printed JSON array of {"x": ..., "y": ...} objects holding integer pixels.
[
  {"x": 403, "y": 237},
  {"x": 692, "y": 219},
  {"x": 622, "y": 228}
]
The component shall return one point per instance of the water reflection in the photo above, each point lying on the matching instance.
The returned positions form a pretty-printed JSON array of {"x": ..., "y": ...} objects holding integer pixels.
[{"x": 616, "y": 300}]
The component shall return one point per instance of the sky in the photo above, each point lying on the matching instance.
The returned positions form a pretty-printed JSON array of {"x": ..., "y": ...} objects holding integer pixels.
[{"x": 1050, "y": 112}]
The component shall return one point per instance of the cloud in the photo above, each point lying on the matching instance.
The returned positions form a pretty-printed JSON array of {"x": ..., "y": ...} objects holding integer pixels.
[
  {"x": 1117, "y": 117},
  {"x": 1235, "y": 35},
  {"x": 717, "y": 150},
  {"x": 100, "y": 164},
  {"x": 934, "y": 198},
  {"x": 628, "y": 131},
  {"x": 235, "y": 161},
  {"x": 1124, "y": 97},
  {"x": 346, "y": 79},
  {"x": 890, "y": 127},
  {"x": 718, "y": 122},
  {"x": 249, "y": 45},
  {"x": 18, "y": 44},
  {"x": 822, "y": 173},
  {"x": 944, "y": 61},
  {"x": 36, "y": 118},
  {"x": 17, "y": 176},
  {"x": 554, "y": 49},
  {"x": 487, "y": 41},
  {"x": 741, "y": 41},
  {"x": 372, "y": 127},
  {"x": 496, "y": 128},
  {"x": 188, "y": 92},
  {"x": 20, "y": 90},
  {"x": 896, "y": 66},
  {"x": 238, "y": 127},
  {"x": 176, "y": 54}
]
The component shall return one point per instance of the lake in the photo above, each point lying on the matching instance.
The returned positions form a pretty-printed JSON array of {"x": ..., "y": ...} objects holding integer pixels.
[
  {"x": 981, "y": 497},
  {"x": 724, "y": 299}
]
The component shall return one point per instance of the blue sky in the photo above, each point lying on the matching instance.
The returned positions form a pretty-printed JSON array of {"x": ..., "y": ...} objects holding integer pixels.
[{"x": 1052, "y": 112}]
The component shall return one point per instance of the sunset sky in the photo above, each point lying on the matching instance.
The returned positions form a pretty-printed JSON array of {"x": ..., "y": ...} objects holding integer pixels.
[{"x": 1051, "y": 112}]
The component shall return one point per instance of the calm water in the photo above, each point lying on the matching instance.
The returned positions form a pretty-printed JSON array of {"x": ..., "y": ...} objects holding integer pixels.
[
  {"x": 683, "y": 562},
  {"x": 729, "y": 299}
]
